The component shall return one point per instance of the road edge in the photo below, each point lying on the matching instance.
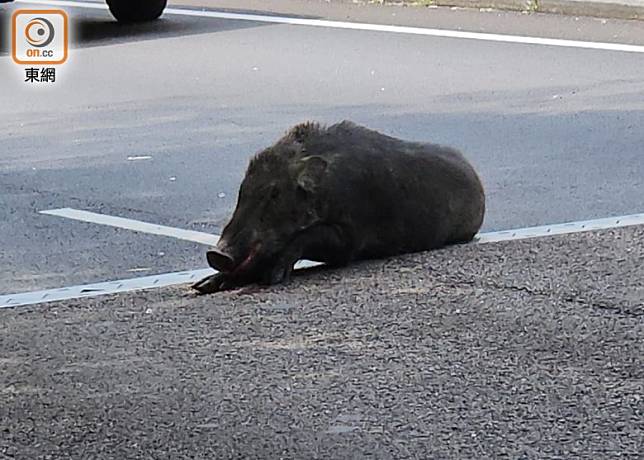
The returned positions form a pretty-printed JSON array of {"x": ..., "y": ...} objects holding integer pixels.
[{"x": 620, "y": 9}]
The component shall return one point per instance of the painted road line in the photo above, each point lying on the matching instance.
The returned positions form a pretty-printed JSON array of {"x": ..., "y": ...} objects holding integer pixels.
[
  {"x": 139, "y": 158},
  {"x": 370, "y": 27},
  {"x": 97, "y": 289},
  {"x": 211, "y": 240},
  {"x": 135, "y": 225},
  {"x": 114, "y": 287},
  {"x": 171, "y": 279},
  {"x": 561, "y": 229}
]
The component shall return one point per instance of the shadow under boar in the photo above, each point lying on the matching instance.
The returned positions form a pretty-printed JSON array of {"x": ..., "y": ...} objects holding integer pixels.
[{"x": 339, "y": 194}]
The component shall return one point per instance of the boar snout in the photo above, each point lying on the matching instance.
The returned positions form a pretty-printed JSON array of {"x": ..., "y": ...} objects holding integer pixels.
[{"x": 220, "y": 260}]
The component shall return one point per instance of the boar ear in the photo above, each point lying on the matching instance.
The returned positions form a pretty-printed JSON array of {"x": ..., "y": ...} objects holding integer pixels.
[{"x": 311, "y": 172}]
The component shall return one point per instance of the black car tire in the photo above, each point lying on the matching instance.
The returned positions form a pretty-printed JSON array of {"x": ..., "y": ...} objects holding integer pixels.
[{"x": 136, "y": 10}]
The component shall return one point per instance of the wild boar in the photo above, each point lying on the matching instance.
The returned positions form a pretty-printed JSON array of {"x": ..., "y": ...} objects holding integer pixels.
[{"x": 342, "y": 193}]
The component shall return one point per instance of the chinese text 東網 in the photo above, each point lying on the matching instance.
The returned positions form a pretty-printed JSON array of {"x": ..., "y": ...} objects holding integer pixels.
[{"x": 40, "y": 75}]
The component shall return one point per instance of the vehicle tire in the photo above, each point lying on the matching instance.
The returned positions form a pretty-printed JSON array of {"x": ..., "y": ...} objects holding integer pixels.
[{"x": 136, "y": 10}]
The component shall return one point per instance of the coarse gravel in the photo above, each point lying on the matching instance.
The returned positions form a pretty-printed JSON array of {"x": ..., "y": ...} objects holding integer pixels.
[{"x": 522, "y": 349}]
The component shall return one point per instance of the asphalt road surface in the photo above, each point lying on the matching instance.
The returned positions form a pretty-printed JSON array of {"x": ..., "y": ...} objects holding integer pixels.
[
  {"x": 522, "y": 350},
  {"x": 555, "y": 132}
]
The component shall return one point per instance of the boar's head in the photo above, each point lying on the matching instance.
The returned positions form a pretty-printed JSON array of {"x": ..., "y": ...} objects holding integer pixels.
[{"x": 278, "y": 198}]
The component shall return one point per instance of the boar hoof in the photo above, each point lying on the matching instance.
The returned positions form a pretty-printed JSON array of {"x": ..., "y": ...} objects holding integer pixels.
[{"x": 213, "y": 283}]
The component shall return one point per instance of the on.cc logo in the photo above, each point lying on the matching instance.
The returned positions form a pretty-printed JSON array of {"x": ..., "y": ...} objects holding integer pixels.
[
  {"x": 39, "y": 36},
  {"x": 39, "y": 32}
]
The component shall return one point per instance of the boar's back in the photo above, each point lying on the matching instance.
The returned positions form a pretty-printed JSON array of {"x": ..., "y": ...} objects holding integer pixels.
[{"x": 393, "y": 196}]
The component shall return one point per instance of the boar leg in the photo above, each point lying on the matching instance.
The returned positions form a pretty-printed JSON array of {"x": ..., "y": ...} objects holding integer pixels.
[
  {"x": 280, "y": 271},
  {"x": 214, "y": 283},
  {"x": 323, "y": 243}
]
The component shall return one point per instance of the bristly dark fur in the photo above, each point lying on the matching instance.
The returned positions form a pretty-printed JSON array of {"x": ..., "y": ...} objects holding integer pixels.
[
  {"x": 300, "y": 133},
  {"x": 295, "y": 139},
  {"x": 342, "y": 193}
]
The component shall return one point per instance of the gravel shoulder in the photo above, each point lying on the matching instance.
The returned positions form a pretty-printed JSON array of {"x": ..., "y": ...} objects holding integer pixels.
[{"x": 524, "y": 349}]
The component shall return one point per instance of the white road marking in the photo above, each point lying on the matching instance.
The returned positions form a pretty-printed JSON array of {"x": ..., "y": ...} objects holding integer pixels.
[
  {"x": 561, "y": 229},
  {"x": 139, "y": 158},
  {"x": 211, "y": 239},
  {"x": 135, "y": 225},
  {"x": 371, "y": 27},
  {"x": 114, "y": 287},
  {"x": 97, "y": 289},
  {"x": 171, "y": 279}
]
